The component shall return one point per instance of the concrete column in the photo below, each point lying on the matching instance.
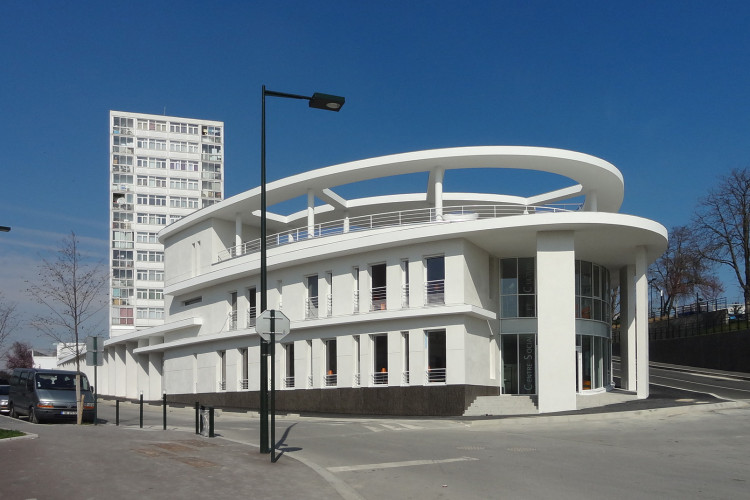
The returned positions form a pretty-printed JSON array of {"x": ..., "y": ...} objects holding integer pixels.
[
  {"x": 310, "y": 213},
  {"x": 641, "y": 323},
  {"x": 628, "y": 372},
  {"x": 120, "y": 372},
  {"x": 556, "y": 337},
  {"x": 131, "y": 372},
  {"x": 141, "y": 363},
  {"x": 253, "y": 371},
  {"x": 439, "y": 174},
  {"x": 238, "y": 231}
]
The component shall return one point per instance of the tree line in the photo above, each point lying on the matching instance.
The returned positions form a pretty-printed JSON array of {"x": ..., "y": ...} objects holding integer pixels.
[{"x": 718, "y": 235}]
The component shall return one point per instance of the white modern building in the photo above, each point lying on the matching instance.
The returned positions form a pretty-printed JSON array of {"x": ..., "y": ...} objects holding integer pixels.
[
  {"x": 410, "y": 304},
  {"x": 161, "y": 169}
]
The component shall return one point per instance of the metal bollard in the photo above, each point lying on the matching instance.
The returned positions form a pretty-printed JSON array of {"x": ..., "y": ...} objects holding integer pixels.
[
  {"x": 210, "y": 421},
  {"x": 164, "y": 409},
  {"x": 141, "y": 410},
  {"x": 117, "y": 412},
  {"x": 197, "y": 419}
]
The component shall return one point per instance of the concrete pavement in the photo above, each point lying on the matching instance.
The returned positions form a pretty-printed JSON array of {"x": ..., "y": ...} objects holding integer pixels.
[{"x": 106, "y": 461}]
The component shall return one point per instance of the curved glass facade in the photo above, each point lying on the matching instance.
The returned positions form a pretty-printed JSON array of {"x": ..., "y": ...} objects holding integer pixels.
[{"x": 518, "y": 288}]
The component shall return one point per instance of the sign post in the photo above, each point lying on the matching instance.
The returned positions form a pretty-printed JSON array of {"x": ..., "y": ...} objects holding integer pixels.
[
  {"x": 272, "y": 325},
  {"x": 94, "y": 358}
]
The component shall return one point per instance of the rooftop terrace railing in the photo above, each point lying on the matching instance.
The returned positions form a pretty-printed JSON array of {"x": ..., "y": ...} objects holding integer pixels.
[{"x": 417, "y": 216}]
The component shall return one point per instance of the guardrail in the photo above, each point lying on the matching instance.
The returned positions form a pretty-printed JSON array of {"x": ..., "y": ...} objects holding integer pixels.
[{"x": 451, "y": 214}]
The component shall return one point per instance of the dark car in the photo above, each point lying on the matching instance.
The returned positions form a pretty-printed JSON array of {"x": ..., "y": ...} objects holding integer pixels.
[{"x": 48, "y": 395}]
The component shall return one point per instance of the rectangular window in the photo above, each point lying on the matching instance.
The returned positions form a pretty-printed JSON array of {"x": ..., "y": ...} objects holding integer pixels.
[
  {"x": 144, "y": 162},
  {"x": 289, "y": 365},
  {"x": 355, "y": 298},
  {"x": 436, "y": 356},
  {"x": 331, "y": 365},
  {"x": 405, "y": 352},
  {"x": 435, "y": 283},
  {"x": 244, "y": 373},
  {"x": 404, "y": 283},
  {"x": 154, "y": 219},
  {"x": 233, "y": 311},
  {"x": 149, "y": 256},
  {"x": 222, "y": 370},
  {"x": 183, "y": 165},
  {"x": 311, "y": 302},
  {"x": 518, "y": 288},
  {"x": 378, "y": 287},
  {"x": 154, "y": 125},
  {"x": 146, "y": 237},
  {"x": 380, "y": 359},
  {"x": 252, "y": 311}
]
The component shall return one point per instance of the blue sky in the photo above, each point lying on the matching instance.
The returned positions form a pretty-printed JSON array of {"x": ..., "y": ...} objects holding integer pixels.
[{"x": 659, "y": 89}]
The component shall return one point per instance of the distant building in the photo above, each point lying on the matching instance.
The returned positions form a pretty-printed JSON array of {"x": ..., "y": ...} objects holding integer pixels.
[
  {"x": 410, "y": 304},
  {"x": 161, "y": 169}
]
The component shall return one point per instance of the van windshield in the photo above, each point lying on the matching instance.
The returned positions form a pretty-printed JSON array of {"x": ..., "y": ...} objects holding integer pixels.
[{"x": 60, "y": 382}]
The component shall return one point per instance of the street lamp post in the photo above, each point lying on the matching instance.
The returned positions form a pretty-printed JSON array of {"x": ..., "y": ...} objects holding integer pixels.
[{"x": 319, "y": 101}]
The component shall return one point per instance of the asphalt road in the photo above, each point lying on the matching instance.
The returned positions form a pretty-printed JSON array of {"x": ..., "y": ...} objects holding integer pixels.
[{"x": 697, "y": 450}]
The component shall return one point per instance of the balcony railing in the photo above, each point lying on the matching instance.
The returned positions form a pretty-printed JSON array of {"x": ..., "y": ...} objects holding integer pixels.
[
  {"x": 251, "y": 317},
  {"x": 435, "y": 375},
  {"x": 453, "y": 214},
  {"x": 405, "y": 378},
  {"x": 233, "y": 320},
  {"x": 289, "y": 382},
  {"x": 311, "y": 308},
  {"x": 244, "y": 384},
  {"x": 380, "y": 378},
  {"x": 222, "y": 385},
  {"x": 355, "y": 302},
  {"x": 434, "y": 292},
  {"x": 378, "y": 298},
  {"x": 405, "y": 295},
  {"x": 329, "y": 305},
  {"x": 330, "y": 380}
]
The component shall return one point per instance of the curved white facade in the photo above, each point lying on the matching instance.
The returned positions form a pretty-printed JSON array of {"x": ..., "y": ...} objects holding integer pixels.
[{"x": 404, "y": 304}]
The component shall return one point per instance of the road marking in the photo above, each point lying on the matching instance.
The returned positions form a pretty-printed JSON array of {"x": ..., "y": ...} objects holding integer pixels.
[
  {"x": 699, "y": 383},
  {"x": 391, "y": 465}
]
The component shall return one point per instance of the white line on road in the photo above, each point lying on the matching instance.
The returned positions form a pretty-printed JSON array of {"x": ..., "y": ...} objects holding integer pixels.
[{"x": 390, "y": 465}]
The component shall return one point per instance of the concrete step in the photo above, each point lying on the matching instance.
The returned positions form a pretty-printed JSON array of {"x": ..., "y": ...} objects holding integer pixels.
[{"x": 502, "y": 405}]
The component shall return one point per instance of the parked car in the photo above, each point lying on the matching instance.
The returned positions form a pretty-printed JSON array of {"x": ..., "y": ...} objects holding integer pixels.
[
  {"x": 48, "y": 395},
  {"x": 4, "y": 389}
]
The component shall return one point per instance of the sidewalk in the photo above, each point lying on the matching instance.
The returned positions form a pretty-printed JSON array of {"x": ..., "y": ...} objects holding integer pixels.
[{"x": 105, "y": 461}]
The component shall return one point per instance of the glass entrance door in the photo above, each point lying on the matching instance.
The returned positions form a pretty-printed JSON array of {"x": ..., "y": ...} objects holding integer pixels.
[{"x": 519, "y": 363}]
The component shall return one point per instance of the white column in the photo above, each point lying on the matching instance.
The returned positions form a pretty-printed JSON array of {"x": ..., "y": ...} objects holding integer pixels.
[
  {"x": 556, "y": 337},
  {"x": 141, "y": 363},
  {"x": 641, "y": 323},
  {"x": 439, "y": 174},
  {"x": 310, "y": 213},
  {"x": 628, "y": 372},
  {"x": 346, "y": 221},
  {"x": 238, "y": 231},
  {"x": 121, "y": 376}
]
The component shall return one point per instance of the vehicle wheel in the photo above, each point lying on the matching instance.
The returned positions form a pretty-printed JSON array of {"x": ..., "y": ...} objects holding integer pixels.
[
  {"x": 33, "y": 418},
  {"x": 13, "y": 413}
]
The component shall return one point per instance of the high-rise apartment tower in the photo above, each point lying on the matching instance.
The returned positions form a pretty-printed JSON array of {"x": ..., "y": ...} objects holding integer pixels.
[{"x": 161, "y": 169}]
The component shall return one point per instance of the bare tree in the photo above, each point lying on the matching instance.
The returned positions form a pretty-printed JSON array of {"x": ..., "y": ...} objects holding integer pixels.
[
  {"x": 681, "y": 271},
  {"x": 19, "y": 356},
  {"x": 721, "y": 224},
  {"x": 71, "y": 289},
  {"x": 8, "y": 318}
]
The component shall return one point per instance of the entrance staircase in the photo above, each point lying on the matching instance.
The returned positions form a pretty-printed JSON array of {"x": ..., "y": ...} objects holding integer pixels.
[{"x": 502, "y": 405}]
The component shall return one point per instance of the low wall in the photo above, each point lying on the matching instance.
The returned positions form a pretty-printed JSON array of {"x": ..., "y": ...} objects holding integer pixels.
[
  {"x": 444, "y": 401},
  {"x": 721, "y": 351}
]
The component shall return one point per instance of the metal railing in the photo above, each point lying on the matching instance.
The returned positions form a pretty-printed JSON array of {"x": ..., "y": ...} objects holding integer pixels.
[
  {"x": 435, "y": 375},
  {"x": 378, "y": 298},
  {"x": 244, "y": 384},
  {"x": 233, "y": 320},
  {"x": 329, "y": 305},
  {"x": 311, "y": 308},
  {"x": 434, "y": 292},
  {"x": 251, "y": 317},
  {"x": 451, "y": 214},
  {"x": 356, "y": 379},
  {"x": 330, "y": 380},
  {"x": 405, "y": 295},
  {"x": 380, "y": 378},
  {"x": 405, "y": 378},
  {"x": 289, "y": 382},
  {"x": 355, "y": 302},
  {"x": 222, "y": 385}
]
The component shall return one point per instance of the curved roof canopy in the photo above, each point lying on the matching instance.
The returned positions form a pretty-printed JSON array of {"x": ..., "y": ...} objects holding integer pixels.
[{"x": 598, "y": 181}]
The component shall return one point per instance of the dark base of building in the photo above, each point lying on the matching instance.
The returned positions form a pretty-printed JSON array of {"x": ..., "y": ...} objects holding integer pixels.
[{"x": 439, "y": 401}]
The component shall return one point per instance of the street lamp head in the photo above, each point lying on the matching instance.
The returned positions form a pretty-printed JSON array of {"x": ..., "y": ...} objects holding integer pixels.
[{"x": 326, "y": 101}]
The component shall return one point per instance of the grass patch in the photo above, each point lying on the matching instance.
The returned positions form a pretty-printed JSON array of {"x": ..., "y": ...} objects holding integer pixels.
[{"x": 5, "y": 433}]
